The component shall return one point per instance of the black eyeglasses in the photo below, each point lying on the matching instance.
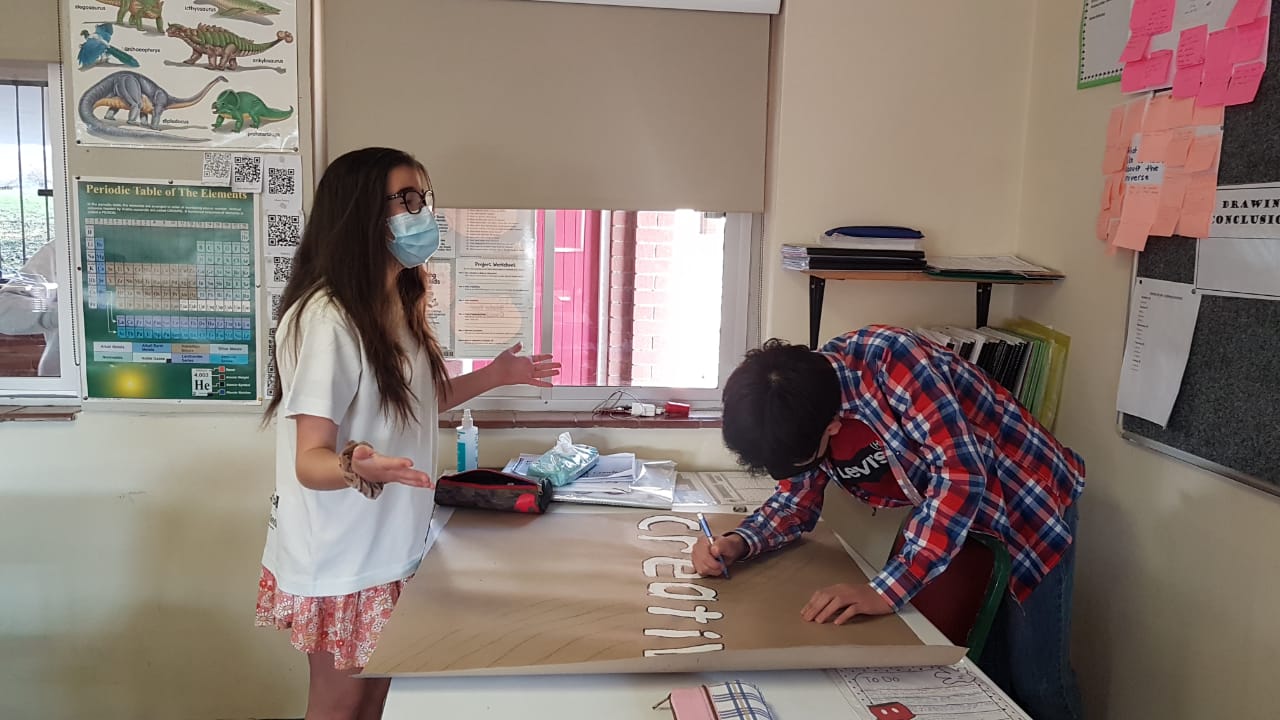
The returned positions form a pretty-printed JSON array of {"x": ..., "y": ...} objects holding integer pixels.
[{"x": 415, "y": 201}]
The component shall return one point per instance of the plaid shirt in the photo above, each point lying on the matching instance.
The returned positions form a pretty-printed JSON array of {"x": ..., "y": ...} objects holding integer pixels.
[{"x": 965, "y": 452}]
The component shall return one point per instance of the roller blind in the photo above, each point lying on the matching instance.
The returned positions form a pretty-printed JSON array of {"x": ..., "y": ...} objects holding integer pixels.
[
  {"x": 29, "y": 30},
  {"x": 515, "y": 104}
]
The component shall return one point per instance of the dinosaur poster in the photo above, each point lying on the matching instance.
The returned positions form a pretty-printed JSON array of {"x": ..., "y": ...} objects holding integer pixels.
[
  {"x": 190, "y": 74},
  {"x": 615, "y": 592}
]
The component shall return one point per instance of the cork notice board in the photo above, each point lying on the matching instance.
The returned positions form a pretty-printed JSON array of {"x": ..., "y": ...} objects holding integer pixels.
[{"x": 615, "y": 592}]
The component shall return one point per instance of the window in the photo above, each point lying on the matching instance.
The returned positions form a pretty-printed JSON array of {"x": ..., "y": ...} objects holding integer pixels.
[
  {"x": 36, "y": 294},
  {"x": 652, "y": 304}
]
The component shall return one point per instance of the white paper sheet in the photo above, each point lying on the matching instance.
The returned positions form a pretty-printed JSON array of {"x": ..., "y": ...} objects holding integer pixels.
[
  {"x": 952, "y": 692},
  {"x": 1162, "y": 321},
  {"x": 1104, "y": 30},
  {"x": 1239, "y": 267}
]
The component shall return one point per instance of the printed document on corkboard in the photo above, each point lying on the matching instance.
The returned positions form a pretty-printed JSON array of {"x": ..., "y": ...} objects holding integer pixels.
[{"x": 615, "y": 592}]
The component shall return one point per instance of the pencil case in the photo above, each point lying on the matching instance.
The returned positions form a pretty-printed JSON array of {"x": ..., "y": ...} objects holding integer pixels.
[
  {"x": 493, "y": 490},
  {"x": 732, "y": 700}
]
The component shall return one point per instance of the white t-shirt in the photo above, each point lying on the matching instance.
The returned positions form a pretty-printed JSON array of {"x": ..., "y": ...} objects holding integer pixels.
[{"x": 336, "y": 542}]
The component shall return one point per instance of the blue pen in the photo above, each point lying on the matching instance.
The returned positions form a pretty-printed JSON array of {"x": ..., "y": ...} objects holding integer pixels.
[{"x": 706, "y": 529}]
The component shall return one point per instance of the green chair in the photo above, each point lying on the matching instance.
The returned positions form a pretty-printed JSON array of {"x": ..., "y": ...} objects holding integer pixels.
[{"x": 963, "y": 600}]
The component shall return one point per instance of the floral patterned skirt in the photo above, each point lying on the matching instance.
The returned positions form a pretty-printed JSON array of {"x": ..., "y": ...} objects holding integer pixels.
[{"x": 345, "y": 625}]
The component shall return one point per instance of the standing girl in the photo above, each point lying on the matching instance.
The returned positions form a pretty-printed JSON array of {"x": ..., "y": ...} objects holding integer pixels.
[{"x": 361, "y": 380}]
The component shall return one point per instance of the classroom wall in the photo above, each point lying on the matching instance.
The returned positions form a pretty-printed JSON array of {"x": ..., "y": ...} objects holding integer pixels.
[
  {"x": 1177, "y": 576},
  {"x": 132, "y": 593},
  {"x": 910, "y": 113}
]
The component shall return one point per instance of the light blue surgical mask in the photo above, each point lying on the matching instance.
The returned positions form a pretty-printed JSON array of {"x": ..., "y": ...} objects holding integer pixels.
[{"x": 414, "y": 238}]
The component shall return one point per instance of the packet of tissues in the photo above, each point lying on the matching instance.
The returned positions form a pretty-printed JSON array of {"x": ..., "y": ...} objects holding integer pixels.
[{"x": 564, "y": 463}]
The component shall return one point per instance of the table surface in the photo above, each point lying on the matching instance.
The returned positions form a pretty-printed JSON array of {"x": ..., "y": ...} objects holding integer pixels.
[{"x": 803, "y": 694}]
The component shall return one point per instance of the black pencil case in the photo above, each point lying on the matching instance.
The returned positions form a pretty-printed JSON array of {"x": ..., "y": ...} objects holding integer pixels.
[{"x": 493, "y": 490}]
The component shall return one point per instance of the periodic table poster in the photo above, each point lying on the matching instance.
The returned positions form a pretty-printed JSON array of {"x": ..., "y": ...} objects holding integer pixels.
[{"x": 169, "y": 277}]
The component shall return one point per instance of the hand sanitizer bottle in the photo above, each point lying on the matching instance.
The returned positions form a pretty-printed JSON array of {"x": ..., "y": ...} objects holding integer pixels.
[{"x": 468, "y": 443}]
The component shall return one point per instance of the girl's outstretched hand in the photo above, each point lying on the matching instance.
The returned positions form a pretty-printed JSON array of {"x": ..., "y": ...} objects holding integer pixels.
[
  {"x": 383, "y": 469},
  {"x": 512, "y": 368}
]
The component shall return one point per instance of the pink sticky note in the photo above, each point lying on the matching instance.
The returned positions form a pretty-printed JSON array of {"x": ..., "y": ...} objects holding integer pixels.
[
  {"x": 1145, "y": 74},
  {"x": 1132, "y": 235},
  {"x": 1245, "y": 11},
  {"x": 1115, "y": 124},
  {"x": 1181, "y": 112},
  {"x": 1204, "y": 151},
  {"x": 1114, "y": 159},
  {"x": 1191, "y": 46},
  {"x": 1157, "y": 117},
  {"x": 1251, "y": 40},
  {"x": 1154, "y": 146},
  {"x": 1179, "y": 145},
  {"x": 1141, "y": 203},
  {"x": 1152, "y": 17},
  {"x": 1133, "y": 115},
  {"x": 1166, "y": 221},
  {"x": 1104, "y": 222},
  {"x": 1174, "y": 190},
  {"x": 1243, "y": 87},
  {"x": 1194, "y": 220},
  {"x": 1213, "y": 90},
  {"x": 1136, "y": 48},
  {"x": 1208, "y": 116},
  {"x": 1158, "y": 65},
  {"x": 1186, "y": 81},
  {"x": 1217, "y": 53}
]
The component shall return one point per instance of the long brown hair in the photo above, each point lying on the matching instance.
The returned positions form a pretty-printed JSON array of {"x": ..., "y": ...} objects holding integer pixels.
[{"x": 344, "y": 254}]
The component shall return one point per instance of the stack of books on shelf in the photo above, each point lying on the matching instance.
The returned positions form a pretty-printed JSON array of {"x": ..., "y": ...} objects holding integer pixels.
[
  {"x": 860, "y": 248},
  {"x": 995, "y": 268},
  {"x": 1025, "y": 357}
]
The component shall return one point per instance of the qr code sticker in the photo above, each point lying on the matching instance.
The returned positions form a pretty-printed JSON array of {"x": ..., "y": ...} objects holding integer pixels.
[
  {"x": 217, "y": 168},
  {"x": 270, "y": 364},
  {"x": 281, "y": 181},
  {"x": 275, "y": 299},
  {"x": 246, "y": 173},
  {"x": 284, "y": 232},
  {"x": 281, "y": 269}
]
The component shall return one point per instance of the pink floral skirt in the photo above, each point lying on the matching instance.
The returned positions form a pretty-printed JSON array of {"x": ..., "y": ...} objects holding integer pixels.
[{"x": 346, "y": 625}]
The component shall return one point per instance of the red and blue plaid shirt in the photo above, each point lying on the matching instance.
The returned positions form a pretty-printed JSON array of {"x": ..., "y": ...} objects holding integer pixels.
[{"x": 966, "y": 453}]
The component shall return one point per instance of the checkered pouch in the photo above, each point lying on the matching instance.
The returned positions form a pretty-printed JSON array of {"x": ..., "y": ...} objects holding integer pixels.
[{"x": 732, "y": 700}]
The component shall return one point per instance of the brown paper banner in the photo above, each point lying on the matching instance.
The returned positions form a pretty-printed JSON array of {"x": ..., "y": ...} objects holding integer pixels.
[{"x": 615, "y": 592}]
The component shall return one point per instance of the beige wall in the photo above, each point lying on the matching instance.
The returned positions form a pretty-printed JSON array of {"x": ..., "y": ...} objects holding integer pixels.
[
  {"x": 908, "y": 112},
  {"x": 1177, "y": 579}
]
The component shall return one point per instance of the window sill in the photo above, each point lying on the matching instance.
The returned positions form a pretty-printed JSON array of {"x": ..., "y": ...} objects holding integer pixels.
[
  {"x": 37, "y": 413},
  {"x": 513, "y": 419}
]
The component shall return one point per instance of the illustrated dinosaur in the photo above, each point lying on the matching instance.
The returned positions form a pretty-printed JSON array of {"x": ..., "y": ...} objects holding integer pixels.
[
  {"x": 138, "y": 10},
  {"x": 245, "y": 106},
  {"x": 220, "y": 45},
  {"x": 250, "y": 10},
  {"x": 96, "y": 48},
  {"x": 142, "y": 97}
]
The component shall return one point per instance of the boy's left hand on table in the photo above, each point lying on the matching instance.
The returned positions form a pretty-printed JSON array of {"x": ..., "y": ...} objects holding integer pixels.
[{"x": 842, "y": 602}]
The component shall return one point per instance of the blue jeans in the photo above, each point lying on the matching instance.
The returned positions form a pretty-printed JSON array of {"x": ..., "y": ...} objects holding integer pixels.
[{"x": 1028, "y": 650}]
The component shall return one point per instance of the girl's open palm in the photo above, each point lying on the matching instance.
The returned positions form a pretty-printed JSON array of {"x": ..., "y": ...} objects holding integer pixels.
[
  {"x": 512, "y": 368},
  {"x": 383, "y": 469}
]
